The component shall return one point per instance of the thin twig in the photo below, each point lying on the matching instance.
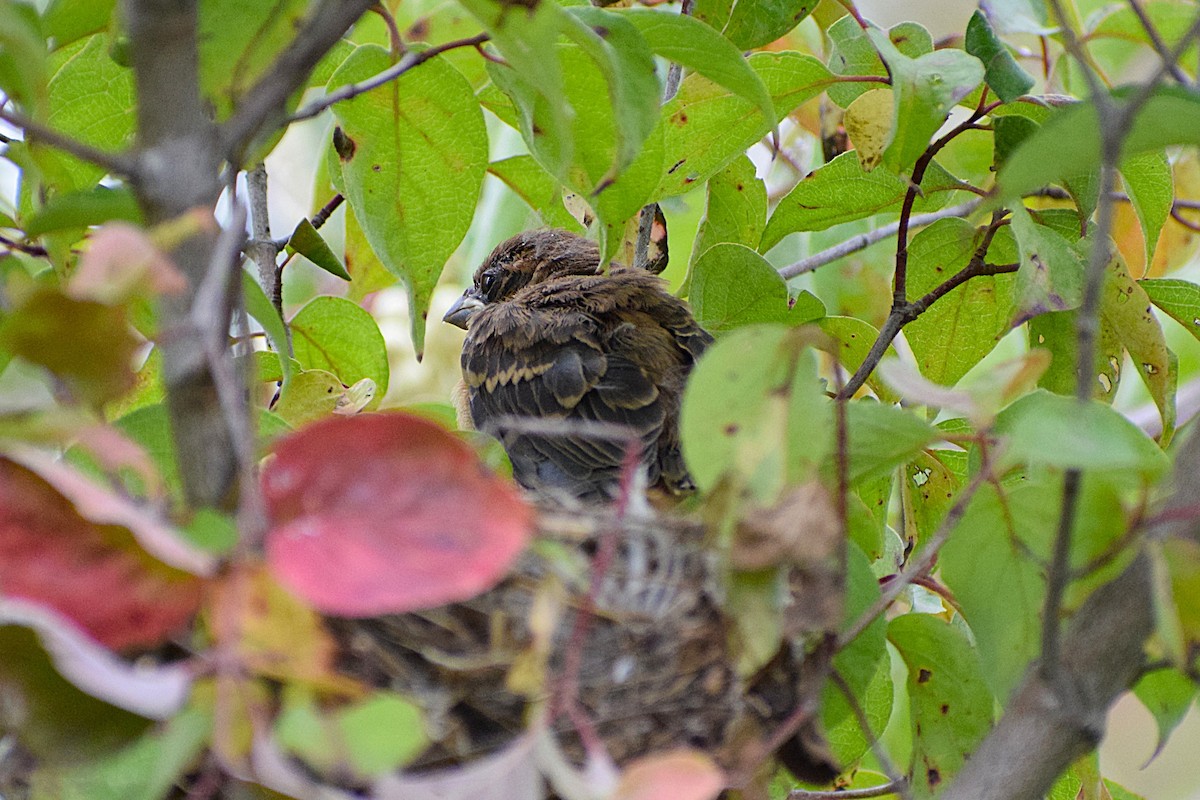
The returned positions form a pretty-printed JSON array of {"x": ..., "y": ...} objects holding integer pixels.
[
  {"x": 860, "y": 716},
  {"x": 264, "y": 250},
  {"x": 891, "y": 787},
  {"x": 675, "y": 71},
  {"x": 1159, "y": 45},
  {"x": 322, "y": 216},
  {"x": 921, "y": 564},
  {"x": 266, "y": 101},
  {"x": 409, "y": 61},
  {"x": 24, "y": 247},
  {"x": 907, "y": 312},
  {"x": 865, "y": 240},
  {"x": 115, "y": 163}
]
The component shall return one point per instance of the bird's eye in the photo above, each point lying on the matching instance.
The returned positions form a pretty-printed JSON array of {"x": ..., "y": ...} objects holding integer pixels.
[{"x": 487, "y": 282}]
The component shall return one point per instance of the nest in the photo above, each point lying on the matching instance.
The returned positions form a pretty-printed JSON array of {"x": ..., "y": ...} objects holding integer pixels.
[{"x": 621, "y": 617}]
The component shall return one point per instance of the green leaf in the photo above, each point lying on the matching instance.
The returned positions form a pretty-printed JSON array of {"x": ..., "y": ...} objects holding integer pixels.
[
  {"x": 1008, "y": 134},
  {"x": 754, "y": 411},
  {"x": 705, "y": 126},
  {"x": 806, "y": 307},
  {"x": 1003, "y": 74},
  {"x": 310, "y": 395},
  {"x": 595, "y": 140},
  {"x": 1125, "y": 307},
  {"x": 80, "y": 209},
  {"x": 842, "y": 191},
  {"x": 259, "y": 307},
  {"x": 537, "y": 188},
  {"x": 928, "y": 492},
  {"x": 982, "y": 561},
  {"x": 733, "y": 286},
  {"x": 623, "y": 56},
  {"x": 853, "y": 339},
  {"x": 526, "y": 39},
  {"x": 999, "y": 549},
  {"x": 1151, "y": 187},
  {"x": 147, "y": 769},
  {"x": 693, "y": 44},
  {"x": 1089, "y": 436},
  {"x": 1058, "y": 333},
  {"x": 92, "y": 100},
  {"x": 382, "y": 733},
  {"x": 1170, "y": 116},
  {"x": 1168, "y": 695},
  {"x": 735, "y": 210},
  {"x": 1051, "y": 274},
  {"x": 307, "y": 242},
  {"x": 882, "y": 437},
  {"x": 1020, "y": 16},
  {"x": 1179, "y": 299},
  {"x": 336, "y": 335},
  {"x": 863, "y": 664},
  {"x": 238, "y": 42},
  {"x": 950, "y": 704},
  {"x": 418, "y": 161},
  {"x": 67, "y": 21},
  {"x": 751, "y": 25},
  {"x": 23, "y": 67},
  {"x": 925, "y": 89},
  {"x": 1170, "y": 19},
  {"x": 957, "y": 331},
  {"x": 853, "y": 54},
  {"x": 367, "y": 272}
]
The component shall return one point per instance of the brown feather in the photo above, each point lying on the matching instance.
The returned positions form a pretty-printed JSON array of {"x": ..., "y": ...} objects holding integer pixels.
[{"x": 556, "y": 338}]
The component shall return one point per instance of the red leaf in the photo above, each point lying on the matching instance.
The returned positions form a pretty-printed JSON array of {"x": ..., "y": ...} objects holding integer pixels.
[
  {"x": 95, "y": 575},
  {"x": 387, "y": 513}
]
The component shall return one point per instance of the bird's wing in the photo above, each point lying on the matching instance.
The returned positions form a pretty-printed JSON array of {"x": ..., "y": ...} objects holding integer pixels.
[{"x": 559, "y": 364}]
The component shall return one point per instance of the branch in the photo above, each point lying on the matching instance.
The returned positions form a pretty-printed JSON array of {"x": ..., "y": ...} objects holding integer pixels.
[
  {"x": 264, "y": 251},
  {"x": 905, "y": 313},
  {"x": 865, "y": 240},
  {"x": 267, "y": 100},
  {"x": 179, "y": 170},
  {"x": 409, "y": 61},
  {"x": 883, "y": 790},
  {"x": 1168, "y": 58},
  {"x": 115, "y": 163},
  {"x": 1051, "y": 723}
]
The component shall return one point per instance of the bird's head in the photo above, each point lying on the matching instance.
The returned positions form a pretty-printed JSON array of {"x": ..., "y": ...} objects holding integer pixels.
[{"x": 524, "y": 260}]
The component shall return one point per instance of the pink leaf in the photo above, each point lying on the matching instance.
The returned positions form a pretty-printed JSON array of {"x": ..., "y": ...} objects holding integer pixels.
[
  {"x": 387, "y": 513},
  {"x": 677, "y": 775},
  {"x": 74, "y": 551}
]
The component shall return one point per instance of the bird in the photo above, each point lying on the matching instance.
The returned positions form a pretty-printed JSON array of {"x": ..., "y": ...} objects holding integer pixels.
[{"x": 554, "y": 337}]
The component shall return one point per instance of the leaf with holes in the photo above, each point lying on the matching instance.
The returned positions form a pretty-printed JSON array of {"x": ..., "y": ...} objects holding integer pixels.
[{"x": 387, "y": 513}]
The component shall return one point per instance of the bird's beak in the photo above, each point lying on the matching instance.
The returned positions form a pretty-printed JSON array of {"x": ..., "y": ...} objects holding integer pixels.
[{"x": 463, "y": 309}]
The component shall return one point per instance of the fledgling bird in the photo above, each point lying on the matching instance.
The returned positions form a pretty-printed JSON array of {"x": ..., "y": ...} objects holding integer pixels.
[{"x": 550, "y": 336}]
